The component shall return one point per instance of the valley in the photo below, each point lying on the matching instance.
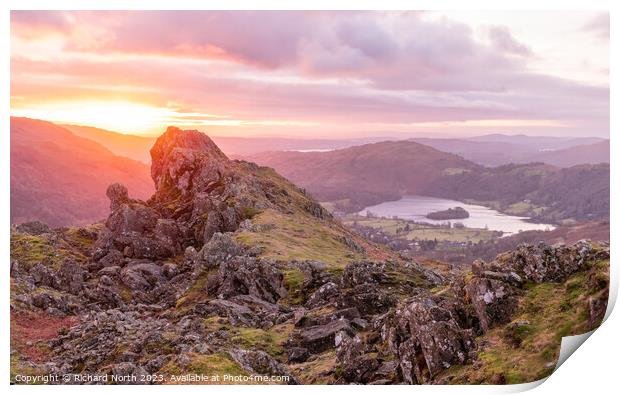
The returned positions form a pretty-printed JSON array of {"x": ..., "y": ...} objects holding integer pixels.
[{"x": 230, "y": 269}]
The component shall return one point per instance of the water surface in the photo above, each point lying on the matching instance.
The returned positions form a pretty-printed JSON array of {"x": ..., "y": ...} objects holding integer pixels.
[{"x": 415, "y": 207}]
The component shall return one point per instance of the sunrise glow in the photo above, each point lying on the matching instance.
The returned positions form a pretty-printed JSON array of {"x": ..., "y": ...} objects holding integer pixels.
[{"x": 340, "y": 74}]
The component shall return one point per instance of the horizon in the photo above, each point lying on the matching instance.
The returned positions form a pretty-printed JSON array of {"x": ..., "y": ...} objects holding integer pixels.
[
  {"x": 317, "y": 75},
  {"x": 374, "y": 138}
]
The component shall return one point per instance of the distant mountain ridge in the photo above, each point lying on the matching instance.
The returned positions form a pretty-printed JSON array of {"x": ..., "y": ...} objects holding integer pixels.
[
  {"x": 497, "y": 150},
  {"x": 137, "y": 147},
  {"x": 489, "y": 150}
]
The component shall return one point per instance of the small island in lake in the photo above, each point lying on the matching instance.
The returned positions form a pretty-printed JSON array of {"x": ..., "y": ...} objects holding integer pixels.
[{"x": 451, "y": 213}]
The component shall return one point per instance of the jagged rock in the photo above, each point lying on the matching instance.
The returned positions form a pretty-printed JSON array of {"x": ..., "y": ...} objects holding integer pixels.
[
  {"x": 509, "y": 277},
  {"x": 425, "y": 339},
  {"x": 53, "y": 303},
  {"x": 105, "y": 279},
  {"x": 358, "y": 273},
  {"x": 347, "y": 348},
  {"x": 220, "y": 248},
  {"x": 141, "y": 275},
  {"x": 237, "y": 314},
  {"x": 260, "y": 362},
  {"x": 136, "y": 245},
  {"x": 170, "y": 270},
  {"x": 319, "y": 338},
  {"x": 33, "y": 228},
  {"x": 354, "y": 365},
  {"x": 44, "y": 276},
  {"x": 369, "y": 299},
  {"x": 132, "y": 217},
  {"x": 494, "y": 301},
  {"x": 71, "y": 277},
  {"x": 542, "y": 262},
  {"x": 168, "y": 232},
  {"x": 186, "y": 160},
  {"x": 118, "y": 195},
  {"x": 220, "y": 221},
  {"x": 244, "y": 275},
  {"x": 112, "y": 258},
  {"x": 327, "y": 293},
  {"x": 297, "y": 354},
  {"x": 351, "y": 314},
  {"x": 249, "y": 311}
]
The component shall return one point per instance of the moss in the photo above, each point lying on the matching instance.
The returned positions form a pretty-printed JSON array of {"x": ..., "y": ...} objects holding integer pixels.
[
  {"x": 20, "y": 367},
  {"x": 293, "y": 281},
  {"x": 271, "y": 341},
  {"x": 217, "y": 364},
  {"x": 249, "y": 212},
  {"x": 197, "y": 293},
  {"x": 528, "y": 351},
  {"x": 318, "y": 370},
  {"x": 29, "y": 250}
]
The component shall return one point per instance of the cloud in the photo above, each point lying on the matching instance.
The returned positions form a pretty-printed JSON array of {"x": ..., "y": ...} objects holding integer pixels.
[
  {"x": 599, "y": 25},
  {"x": 502, "y": 39},
  {"x": 389, "y": 67}
]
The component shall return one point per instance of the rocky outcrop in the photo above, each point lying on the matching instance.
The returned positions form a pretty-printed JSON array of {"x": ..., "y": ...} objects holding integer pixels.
[
  {"x": 250, "y": 276},
  {"x": 494, "y": 287},
  {"x": 543, "y": 263},
  {"x": 426, "y": 338},
  {"x": 165, "y": 286}
]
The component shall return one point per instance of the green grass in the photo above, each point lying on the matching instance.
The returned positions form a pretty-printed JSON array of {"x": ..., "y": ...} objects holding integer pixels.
[
  {"x": 300, "y": 237},
  {"x": 29, "y": 250},
  {"x": 293, "y": 281},
  {"x": 422, "y": 232},
  {"x": 271, "y": 341},
  {"x": 546, "y": 313},
  {"x": 211, "y": 365}
]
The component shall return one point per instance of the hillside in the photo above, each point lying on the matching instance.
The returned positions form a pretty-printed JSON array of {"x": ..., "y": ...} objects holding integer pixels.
[
  {"x": 361, "y": 176},
  {"x": 130, "y": 146},
  {"x": 577, "y": 155},
  {"x": 229, "y": 270},
  {"x": 366, "y": 174},
  {"x": 59, "y": 178},
  {"x": 535, "y": 190},
  {"x": 497, "y": 150}
]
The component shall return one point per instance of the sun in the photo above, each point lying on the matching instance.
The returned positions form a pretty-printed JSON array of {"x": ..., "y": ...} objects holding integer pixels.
[{"x": 119, "y": 116}]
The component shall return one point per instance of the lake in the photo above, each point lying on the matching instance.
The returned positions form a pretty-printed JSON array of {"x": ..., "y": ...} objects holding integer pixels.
[{"x": 416, "y": 207}]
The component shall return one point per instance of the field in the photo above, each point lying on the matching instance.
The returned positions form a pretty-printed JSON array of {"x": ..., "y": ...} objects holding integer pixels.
[{"x": 415, "y": 231}]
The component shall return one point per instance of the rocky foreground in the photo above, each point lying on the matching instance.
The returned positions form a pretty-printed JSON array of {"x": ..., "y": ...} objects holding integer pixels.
[{"x": 229, "y": 270}]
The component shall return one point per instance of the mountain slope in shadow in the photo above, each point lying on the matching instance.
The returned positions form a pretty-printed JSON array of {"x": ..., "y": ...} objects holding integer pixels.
[{"x": 60, "y": 178}]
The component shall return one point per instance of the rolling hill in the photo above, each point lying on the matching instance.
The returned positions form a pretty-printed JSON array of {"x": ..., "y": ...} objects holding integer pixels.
[
  {"x": 361, "y": 176},
  {"x": 60, "y": 178},
  {"x": 366, "y": 174}
]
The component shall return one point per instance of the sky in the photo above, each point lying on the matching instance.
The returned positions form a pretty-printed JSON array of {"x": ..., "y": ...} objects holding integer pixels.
[{"x": 315, "y": 74}]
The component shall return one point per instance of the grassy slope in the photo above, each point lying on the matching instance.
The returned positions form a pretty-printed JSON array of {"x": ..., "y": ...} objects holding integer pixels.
[
  {"x": 546, "y": 313},
  {"x": 295, "y": 234}
]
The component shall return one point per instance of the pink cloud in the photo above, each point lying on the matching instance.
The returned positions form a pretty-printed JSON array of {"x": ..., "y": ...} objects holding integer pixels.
[{"x": 329, "y": 66}]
